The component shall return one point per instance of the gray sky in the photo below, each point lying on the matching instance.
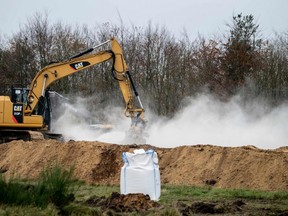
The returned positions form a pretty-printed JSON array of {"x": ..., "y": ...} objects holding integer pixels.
[{"x": 207, "y": 17}]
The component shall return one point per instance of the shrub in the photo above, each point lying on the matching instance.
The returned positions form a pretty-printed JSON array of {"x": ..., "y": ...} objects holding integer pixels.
[
  {"x": 56, "y": 185},
  {"x": 14, "y": 191}
]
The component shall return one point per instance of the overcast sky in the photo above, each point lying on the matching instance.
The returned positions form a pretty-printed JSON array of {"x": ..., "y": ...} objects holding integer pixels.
[{"x": 206, "y": 17}]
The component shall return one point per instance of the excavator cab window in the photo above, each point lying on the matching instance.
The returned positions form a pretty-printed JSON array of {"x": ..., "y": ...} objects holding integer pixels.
[{"x": 19, "y": 95}]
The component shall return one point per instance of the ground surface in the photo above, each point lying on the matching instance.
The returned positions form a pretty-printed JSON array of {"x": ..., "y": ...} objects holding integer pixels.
[{"x": 100, "y": 163}]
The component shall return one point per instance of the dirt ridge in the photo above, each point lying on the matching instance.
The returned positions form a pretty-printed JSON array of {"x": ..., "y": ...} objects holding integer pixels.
[{"x": 100, "y": 163}]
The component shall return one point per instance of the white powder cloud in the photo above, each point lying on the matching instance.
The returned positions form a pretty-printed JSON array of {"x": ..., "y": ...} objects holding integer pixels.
[
  {"x": 204, "y": 120},
  {"x": 208, "y": 121}
]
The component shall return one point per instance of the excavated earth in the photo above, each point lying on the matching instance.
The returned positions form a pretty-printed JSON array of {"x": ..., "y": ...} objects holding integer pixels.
[{"x": 100, "y": 163}]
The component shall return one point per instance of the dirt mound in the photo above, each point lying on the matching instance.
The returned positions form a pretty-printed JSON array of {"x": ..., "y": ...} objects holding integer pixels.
[
  {"x": 123, "y": 203},
  {"x": 100, "y": 163},
  {"x": 219, "y": 208},
  {"x": 225, "y": 167}
]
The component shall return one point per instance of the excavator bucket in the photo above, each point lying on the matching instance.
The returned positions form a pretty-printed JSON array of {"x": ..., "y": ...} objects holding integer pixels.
[{"x": 136, "y": 133}]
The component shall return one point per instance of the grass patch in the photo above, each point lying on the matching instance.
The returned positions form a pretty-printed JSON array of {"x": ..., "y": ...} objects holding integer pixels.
[
  {"x": 27, "y": 210},
  {"x": 78, "y": 209},
  {"x": 54, "y": 186},
  {"x": 171, "y": 193},
  {"x": 250, "y": 194},
  {"x": 86, "y": 191},
  {"x": 55, "y": 190},
  {"x": 14, "y": 191}
]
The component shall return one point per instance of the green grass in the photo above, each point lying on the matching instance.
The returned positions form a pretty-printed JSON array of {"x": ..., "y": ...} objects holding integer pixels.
[
  {"x": 57, "y": 192},
  {"x": 53, "y": 186},
  {"x": 27, "y": 210},
  {"x": 86, "y": 191},
  {"x": 171, "y": 193}
]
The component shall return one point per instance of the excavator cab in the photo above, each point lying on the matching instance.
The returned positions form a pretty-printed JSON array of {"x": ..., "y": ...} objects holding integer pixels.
[
  {"x": 19, "y": 98},
  {"x": 19, "y": 102}
]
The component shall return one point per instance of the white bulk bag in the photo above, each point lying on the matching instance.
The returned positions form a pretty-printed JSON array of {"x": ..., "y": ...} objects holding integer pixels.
[{"x": 140, "y": 173}]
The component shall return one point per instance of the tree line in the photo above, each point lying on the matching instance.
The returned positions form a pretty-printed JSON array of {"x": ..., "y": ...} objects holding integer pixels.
[{"x": 166, "y": 69}]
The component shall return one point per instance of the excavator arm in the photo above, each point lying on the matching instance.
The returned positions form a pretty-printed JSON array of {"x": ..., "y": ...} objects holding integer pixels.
[{"x": 84, "y": 60}]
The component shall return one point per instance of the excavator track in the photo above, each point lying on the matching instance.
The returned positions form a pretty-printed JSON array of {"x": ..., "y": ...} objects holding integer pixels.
[{"x": 8, "y": 135}]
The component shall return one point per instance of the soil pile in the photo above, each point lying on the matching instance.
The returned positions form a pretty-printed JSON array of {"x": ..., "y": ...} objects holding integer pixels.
[
  {"x": 100, "y": 163},
  {"x": 123, "y": 203}
]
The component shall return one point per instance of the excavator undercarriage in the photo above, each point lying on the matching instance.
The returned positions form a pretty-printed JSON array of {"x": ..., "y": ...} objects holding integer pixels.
[{"x": 8, "y": 135}]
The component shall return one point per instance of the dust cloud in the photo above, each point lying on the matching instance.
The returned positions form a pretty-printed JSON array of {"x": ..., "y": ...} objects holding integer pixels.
[
  {"x": 76, "y": 122},
  {"x": 206, "y": 120},
  {"x": 203, "y": 120}
]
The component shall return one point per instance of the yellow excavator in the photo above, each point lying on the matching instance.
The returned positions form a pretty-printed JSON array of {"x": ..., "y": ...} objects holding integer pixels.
[{"x": 26, "y": 114}]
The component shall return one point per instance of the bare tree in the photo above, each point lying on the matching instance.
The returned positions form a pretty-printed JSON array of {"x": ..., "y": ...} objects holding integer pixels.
[{"x": 272, "y": 81}]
